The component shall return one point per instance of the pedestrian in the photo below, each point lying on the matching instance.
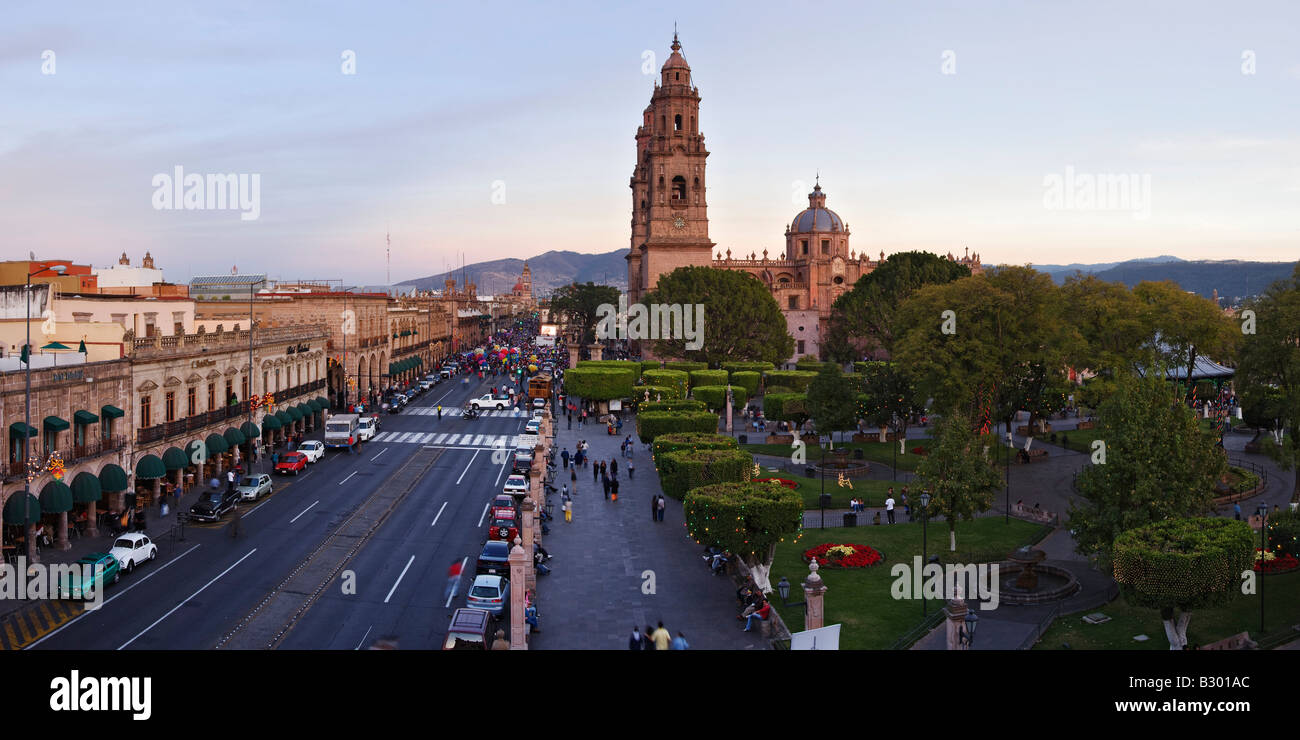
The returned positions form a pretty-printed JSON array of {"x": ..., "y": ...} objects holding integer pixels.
[
  {"x": 634, "y": 642},
  {"x": 661, "y": 505},
  {"x": 631, "y": 469},
  {"x": 604, "y": 482},
  {"x": 613, "y": 468},
  {"x": 595, "y": 473},
  {"x": 453, "y": 580},
  {"x": 530, "y": 616},
  {"x": 679, "y": 642},
  {"x": 230, "y": 479},
  {"x": 568, "y": 511},
  {"x": 661, "y": 637},
  {"x": 501, "y": 643},
  {"x": 569, "y": 417},
  {"x": 439, "y": 411},
  {"x": 613, "y": 489},
  {"x": 1236, "y": 511},
  {"x": 646, "y": 642},
  {"x": 654, "y": 508},
  {"x": 889, "y": 507},
  {"x": 565, "y": 457}
]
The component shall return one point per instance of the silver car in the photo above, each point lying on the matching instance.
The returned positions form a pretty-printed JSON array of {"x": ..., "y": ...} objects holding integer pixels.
[
  {"x": 489, "y": 593},
  {"x": 251, "y": 487}
]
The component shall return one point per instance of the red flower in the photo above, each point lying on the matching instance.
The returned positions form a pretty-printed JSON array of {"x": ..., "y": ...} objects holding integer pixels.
[
  {"x": 828, "y": 557},
  {"x": 783, "y": 481},
  {"x": 1279, "y": 564}
]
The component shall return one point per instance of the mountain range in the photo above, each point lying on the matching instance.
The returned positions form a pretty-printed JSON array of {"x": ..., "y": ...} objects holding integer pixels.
[{"x": 550, "y": 270}]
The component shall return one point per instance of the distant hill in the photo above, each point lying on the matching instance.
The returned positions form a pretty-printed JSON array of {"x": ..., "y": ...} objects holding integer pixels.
[
  {"x": 1060, "y": 272},
  {"x": 550, "y": 271},
  {"x": 1234, "y": 279}
]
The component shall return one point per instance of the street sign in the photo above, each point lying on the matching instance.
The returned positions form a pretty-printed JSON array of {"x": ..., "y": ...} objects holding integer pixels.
[{"x": 823, "y": 638}]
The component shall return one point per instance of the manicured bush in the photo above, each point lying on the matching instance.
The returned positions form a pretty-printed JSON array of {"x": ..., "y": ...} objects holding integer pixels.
[
  {"x": 747, "y": 379},
  {"x": 635, "y": 367},
  {"x": 758, "y": 367},
  {"x": 651, "y": 424},
  {"x": 692, "y": 441},
  {"x": 796, "y": 379},
  {"x": 748, "y": 519},
  {"x": 685, "y": 366},
  {"x": 1284, "y": 533},
  {"x": 663, "y": 392},
  {"x": 682, "y": 470},
  {"x": 715, "y": 396},
  {"x": 599, "y": 383},
  {"x": 669, "y": 379},
  {"x": 708, "y": 377},
  {"x": 1187, "y": 563},
  {"x": 866, "y": 368},
  {"x": 786, "y": 406},
  {"x": 808, "y": 362},
  {"x": 777, "y": 389},
  {"x": 651, "y": 365}
]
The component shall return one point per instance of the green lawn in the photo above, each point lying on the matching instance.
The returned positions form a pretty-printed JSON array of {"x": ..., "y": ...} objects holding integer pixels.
[
  {"x": 873, "y": 491},
  {"x": 881, "y": 452},
  {"x": 860, "y": 599},
  {"x": 1281, "y": 605}
]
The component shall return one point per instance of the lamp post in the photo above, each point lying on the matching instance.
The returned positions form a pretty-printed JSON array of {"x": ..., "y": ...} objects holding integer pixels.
[
  {"x": 27, "y": 415},
  {"x": 1007, "y": 508},
  {"x": 925, "y": 526},
  {"x": 893, "y": 427},
  {"x": 1263, "y": 549},
  {"x": 967, "y": 635}
]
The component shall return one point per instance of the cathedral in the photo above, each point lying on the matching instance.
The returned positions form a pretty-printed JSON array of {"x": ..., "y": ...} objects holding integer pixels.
[{"x": 670, "y": 224}]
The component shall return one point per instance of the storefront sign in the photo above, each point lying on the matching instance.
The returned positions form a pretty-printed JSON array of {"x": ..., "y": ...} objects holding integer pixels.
[
  {"x": 202, "y": 363},
  {"x": 67, "y": 375}
]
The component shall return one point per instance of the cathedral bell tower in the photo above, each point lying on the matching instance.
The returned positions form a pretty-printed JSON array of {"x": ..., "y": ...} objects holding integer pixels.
[{"x": 670, "y": 225}]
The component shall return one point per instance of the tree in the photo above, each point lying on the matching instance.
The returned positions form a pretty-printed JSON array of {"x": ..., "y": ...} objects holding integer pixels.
[
  {"x": 1177, "y": 565},
  {"x": 742, "y": 320},
  {"x": 830, "y": 401},
  {"x": 1154, "y": 463},
  {"x": 864, "y": 318},
  {"x": 1188, "y": 326},
  {"x": 581, "y": 303},
  {"x": 891, "y": 399},
  {"x": 1269, "y": 372},
  {"x": 747, "y": 519},
  {"x": 958, "y": 474},
  {"x": 1112, "y": 322},
  {"x": 599, "y": 383}
]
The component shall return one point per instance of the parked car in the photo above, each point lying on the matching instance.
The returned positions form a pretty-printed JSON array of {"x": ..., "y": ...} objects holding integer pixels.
[
  {"x": 538, "y": 414},
  {"x": 426, "y": 384},
  {"x": 290, "y": 462},
  {"x": 539, "y": 403},
  {"x": 494, "y": 560},
  {"x": 312, "y": 449},
  {"x": 212, "y": 506},
  {"x": 132, "y": 549},
  {"x": 534, "y": 426},
  {"x": 503, "y": 501},
  {"x": 470, "y": 629},
  {"x": 516, "y": 484},
  {"x": 523, "y": 463},
  {"x": 503, "y": 526},
  {"x": 489, "y": 593},
  {"x": 102, "y": 569}
]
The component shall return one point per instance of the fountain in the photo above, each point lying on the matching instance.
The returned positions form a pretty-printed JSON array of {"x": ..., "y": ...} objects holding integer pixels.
[
  {"x": 837, "y": 462},
  {"x": 1027, "y": 580}
]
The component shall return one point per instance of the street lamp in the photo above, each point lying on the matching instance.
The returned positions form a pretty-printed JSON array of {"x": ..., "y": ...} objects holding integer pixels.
[
  {"x": 1263, "y": 549},
  {"x": 967, "y": 635},
  {"x": 925, "y": 522},
  {"x": 27, "y": 414}
]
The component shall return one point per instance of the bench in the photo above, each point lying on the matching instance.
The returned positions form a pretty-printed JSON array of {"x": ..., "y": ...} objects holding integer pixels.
[{"x": 1239, "y": 641}]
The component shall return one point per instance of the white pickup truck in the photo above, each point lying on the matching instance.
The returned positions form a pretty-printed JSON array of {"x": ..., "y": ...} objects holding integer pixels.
[
  {"x": 489, "y": 401},
  {"x": 342, "y": 430}
]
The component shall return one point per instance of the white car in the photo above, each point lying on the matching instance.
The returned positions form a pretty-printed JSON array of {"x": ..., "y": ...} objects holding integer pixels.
[
  {"x": 489, "y": 401},
  {"x": 367, "y": 428},
  {"x": 538, "y": 414},
  {"x": 516, "y": 484},
  {"x": 312, "y": 449},
  {"x": 133, "y": 549},
  {"x": 539, "y": 403},
  {"x": 533, "y": 426}
]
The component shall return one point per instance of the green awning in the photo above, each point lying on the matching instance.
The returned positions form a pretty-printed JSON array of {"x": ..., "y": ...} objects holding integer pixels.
[
  {"x": 175, "y": 459},
  {"x": 86, "y": 488},
  {"x": 313, "y": 404},
  {"x": 216, "y": 445},
  {"x": 56, "y": 345},
  {"x": 56, "y": 497},
  {"x": 22, "y": 508},
  {"x": 323, "y": 401},
  {"x": 284, "y": 417},
  {"x": 84, "y": 417},
  {"x": 150, "y": 468},
  {"x": 17, "y": 428},
  {"x": 250, "y": 430},
  {"x": 406, "y": 332},
  {"x": 55, "y": 423},
  {"x": 294, "y": 413},
  {"x": 270, "y": 423},
  {"x": 234, "y": 437},
  {"x": 196, "y": 452},
  {"x": 112, "y": 478},
  {"x": 112, "y": 412},
  {"x": 304, "y": 409}
]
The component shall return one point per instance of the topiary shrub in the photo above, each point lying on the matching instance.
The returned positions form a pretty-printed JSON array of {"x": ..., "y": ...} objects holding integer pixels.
[
  {"x": 747, "y": 519},
  {"x": 796, "y": 379},
  {"x": 686, "y": 366},
  {"x": 668, "y": 379},
  {"x": 715, "y": 396},
  {"x": 792, "y": 407},
  {"x": 651, "y": 365},
  {"x": 651, "y": 424},
  {"x": 691, "y": 441},
  {"x": 777, "y": 389},
  {"x": 757, "y": 367},
  {"x": 708, "y": 377},
  {"x": 661, "y": 392},
  {"x": 599, "y": 383},
  {"x": 683, "y": 404},
  {"x": 747, "y": 379},
  {"x": 1284, "y": 533},
  {"x": 635, "y": 367},
  {"x": 682, "y": 470}
]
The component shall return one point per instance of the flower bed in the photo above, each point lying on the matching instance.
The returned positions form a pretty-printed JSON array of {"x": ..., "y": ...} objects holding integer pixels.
[
  {"x": 1273, "y": 564},
  {"x": 783, "y": 481},
  {"x": 839, "y": 555}
]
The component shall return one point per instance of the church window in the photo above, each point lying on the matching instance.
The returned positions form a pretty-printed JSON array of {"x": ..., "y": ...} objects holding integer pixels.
[
  {"x": 838, "y": 280},
  {"x": 677, "y": 122},
  {"x": 677, "y": 76},
  {"x": 663, "y": 123},
  {"x": 801, "y": 349},
  {"x": 803, "y": 244},
  {"x": 826, "y": 246},
  {"x": 692, "y": 124},
  {"x": 794, "y": 301},
  {"x": 679, "y": 188}
]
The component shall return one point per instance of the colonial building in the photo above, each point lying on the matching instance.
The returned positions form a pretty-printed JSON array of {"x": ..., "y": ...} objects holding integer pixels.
[{"x": 670, "y": 226}]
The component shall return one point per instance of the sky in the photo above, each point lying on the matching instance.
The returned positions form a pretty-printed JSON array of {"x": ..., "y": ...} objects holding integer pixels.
[{"x": 480, "y": 131}]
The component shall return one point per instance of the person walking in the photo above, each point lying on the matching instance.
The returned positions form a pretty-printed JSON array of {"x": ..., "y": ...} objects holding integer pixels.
[
  {"x": 631, "y": 470},
  {"x": 889, "y": 507},
  {"x": 661, "y": 505},
  {"x": 1236, "y": 511},
  {"x": 230, "y": 478},
  {"x": 573, "y": 478},
  {"x": 439, "y": 411},
  {"x": 654, "y": 508},
  {"x": 569, "y": 417},
  {"x": 568, "y": 510},
  {"x": 604, "y": 482},
  {"x": 647, "y": 643},
  {"x": 679, "y": 642},
  {"x": 613, "y": 468},
  {"x": 564, "y": 456},
  {"x": 500, "y": 643},
  {"x": 453, "y": 580},
  {"x": 595, "y": 473},
  {"x": 661, "y": 637},
  {"x": 613, "y": 489}
]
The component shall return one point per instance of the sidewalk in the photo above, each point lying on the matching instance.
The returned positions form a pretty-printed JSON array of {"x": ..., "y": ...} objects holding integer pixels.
[{"x": 613, "y": 567}]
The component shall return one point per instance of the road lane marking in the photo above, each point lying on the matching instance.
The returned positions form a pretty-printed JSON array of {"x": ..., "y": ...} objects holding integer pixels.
[
  {"x": 399, "y": 579},
  {"x": 435, "y": 519},
  {"x": 345, "y": 480},
  {"x": 467, "y": 467},
  {"x": 363, "y": 637},
  {"x": 376, "y": 457},
  {"x": 304, "y": 511},
  {"x": 424, "y": 438},
  {"x": 452, "y": 439},
  {"x": 187, "y": 600},
  {"x": 255, "y": 508},
  {"x": 452, "y": 595},
  {"x": 438, "y": 440},
  {"x": 485, "y": 511},
  {"x": 477, "y": 440}
]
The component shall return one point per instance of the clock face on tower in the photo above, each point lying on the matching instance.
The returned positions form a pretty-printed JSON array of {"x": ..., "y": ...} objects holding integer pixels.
[{"x": 679, "y": 222}]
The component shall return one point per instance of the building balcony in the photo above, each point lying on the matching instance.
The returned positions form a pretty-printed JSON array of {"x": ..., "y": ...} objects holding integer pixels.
[{"x": 71, "y": 455}]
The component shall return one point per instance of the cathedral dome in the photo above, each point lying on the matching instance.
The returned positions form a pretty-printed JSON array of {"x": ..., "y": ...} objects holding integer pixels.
[{"x": 816, "y": 217}]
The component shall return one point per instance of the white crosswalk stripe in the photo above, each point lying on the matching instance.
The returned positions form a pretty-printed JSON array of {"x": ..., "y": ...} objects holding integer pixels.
[{"x": 438, "y": 440}]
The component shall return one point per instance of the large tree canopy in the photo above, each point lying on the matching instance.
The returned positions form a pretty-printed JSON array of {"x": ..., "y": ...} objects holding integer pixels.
[
  {"x": 863, "y": 318},
  {"x": 958, "y": 474},
  {"x": 580, "y": 303},
  {"x": 1116, "y": 332},
  {"x": 747, "y": 519},
  {"x": 1188, "y": 326},
  {"x": 830, "y": 401},
  {"x": 742, "y": 320}
]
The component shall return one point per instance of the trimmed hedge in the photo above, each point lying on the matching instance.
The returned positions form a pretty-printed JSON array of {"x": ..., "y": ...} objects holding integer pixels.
[
  {"x": 651, "y": 365},
  {"x": 715, "y": 396},
  {"x": 758, "y": 367},
  {"x": 777, "y": 389},
  {"x": 667, "y": 393},
  {"x": 635, "y": 367},
  {"x": 1186, "y": 563},
  {"x": 682, "y": 470},
  {"x": 598, "y": 383},
  {"x": 785, "y": 406},
  {"x": 708, "y": 377},
  {"x": 692, "y": 441},
  {"x": 763, "y": 515},
  {"x": 668, "y": 378},
  {"x": 747, "y": 379},
  {"x": 651, "y": 424},
  {"x": 1283, "y": 532},
  {"x": 866, "y": 368},
  {"x": 796, "y": 379},
  {"x": 808, "y": 363},
  {"x": 685, "y": 366},
  {"x": 683, "y": 404}
]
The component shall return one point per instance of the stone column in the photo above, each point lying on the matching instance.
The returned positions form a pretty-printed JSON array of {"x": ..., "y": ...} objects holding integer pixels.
[
  {"x": 955, "y": 611},
  {"x": 529, "y": 537},
  {"x": 573, "y": 355},
  {"x": 518, "y": 627},
  {"x": 92, "y": 517},
  {"x": 595, "y": 350},
  {"x": 727, "y": 401},
  {"x": 61, "y": 540},
  {"x": 814, "y": 590}
]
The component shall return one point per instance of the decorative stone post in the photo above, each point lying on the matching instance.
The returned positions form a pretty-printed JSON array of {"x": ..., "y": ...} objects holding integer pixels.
[
  {"x": 727, "y": 401},
  {"x": 61, "y": 539},
  {"x": 814, "y": 590},
  {"x": 955, "y": 611},
  {"x": 573, "y": 355},
  {"x": 518, "y": 627},
  {"x": 595, "y": 350},
  {"x": 526, "y": 529}
]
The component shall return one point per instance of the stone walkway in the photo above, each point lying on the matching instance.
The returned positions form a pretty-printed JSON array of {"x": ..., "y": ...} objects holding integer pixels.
[{"x": 612, "y": 553}]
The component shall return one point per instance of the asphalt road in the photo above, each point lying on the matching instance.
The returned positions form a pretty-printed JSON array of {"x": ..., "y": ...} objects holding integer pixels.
[{"x": 196, "y": 591}]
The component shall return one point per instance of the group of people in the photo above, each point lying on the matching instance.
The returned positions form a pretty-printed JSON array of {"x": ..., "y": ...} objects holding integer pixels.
[
  {"x": 656, "y": 639},
  {"x": 754, "y": 605},
  {"x": 754, "y": 417}
]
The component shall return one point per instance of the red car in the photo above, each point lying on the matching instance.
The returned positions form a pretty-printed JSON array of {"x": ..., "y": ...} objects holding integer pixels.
[
  {"x": 292, "y": 462},
  {"x": 503, "y": 501},
  {"x": 503, "y": 525}
]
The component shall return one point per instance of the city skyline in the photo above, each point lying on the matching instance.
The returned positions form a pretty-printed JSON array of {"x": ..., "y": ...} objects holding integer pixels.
[{"x": 937, "y": 131}]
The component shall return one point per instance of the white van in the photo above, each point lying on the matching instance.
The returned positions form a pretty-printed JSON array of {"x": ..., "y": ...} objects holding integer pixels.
[{"x": 367, "y": 428}]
